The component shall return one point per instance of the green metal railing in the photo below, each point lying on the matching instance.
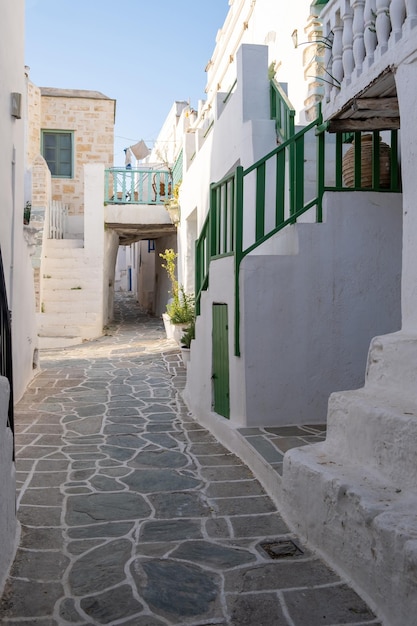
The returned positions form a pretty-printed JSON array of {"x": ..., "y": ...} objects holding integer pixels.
[
  {"x": 281, "y": 111},
  {"x": 137, "y": 186},
  {"x": 251, "y": 205}
]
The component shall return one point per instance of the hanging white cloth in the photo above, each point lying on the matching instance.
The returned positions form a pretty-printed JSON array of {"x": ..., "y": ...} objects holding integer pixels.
[{"x": 140, "y": 150}]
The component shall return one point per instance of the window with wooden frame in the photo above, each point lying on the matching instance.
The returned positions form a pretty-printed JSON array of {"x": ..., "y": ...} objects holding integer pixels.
[{"x": 57, "y": 150}]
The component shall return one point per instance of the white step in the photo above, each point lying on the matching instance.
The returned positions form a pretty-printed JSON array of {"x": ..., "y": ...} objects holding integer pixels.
[
  {"x": 72, "y": 283},
  {"x": 50, "y": 343},
  {"x": 364, "y": 526},
  {"x": 59, "y": 245},
  {"x": 70, "y": 307}
]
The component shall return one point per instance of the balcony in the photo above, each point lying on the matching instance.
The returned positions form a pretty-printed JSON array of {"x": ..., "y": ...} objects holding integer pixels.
[
  {"x": 364, "y": 40},
  {"x": 137, "y": 186}
]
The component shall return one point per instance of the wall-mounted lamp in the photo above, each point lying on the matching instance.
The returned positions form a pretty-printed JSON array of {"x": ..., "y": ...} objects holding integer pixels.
[
  {"x": 174, "y": 214},
  {"x": 294, "y": 37},
  {"x": 16, "y": 105}
]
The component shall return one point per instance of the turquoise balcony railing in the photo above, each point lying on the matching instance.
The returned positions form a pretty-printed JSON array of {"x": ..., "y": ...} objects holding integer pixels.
[{"x": 137, "y": 186}]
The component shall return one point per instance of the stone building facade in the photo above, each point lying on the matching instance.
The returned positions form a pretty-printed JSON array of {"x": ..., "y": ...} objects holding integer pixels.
[{"x": 87, "y": 118}]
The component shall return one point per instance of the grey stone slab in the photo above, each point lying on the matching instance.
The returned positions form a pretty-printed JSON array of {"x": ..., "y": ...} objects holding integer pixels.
[
  {"x": 113, "y": 529},
  {"x": 279, "y": 574},
  {"x": 85, "y": 426},
  {"x": 188, "y": 591},
  {"x": 217, "y": 528},
  {"x": 126, "y": 404},
  {"x": 212, "y": 555},
  {"x": 161, "y": 439},
  {"x": 104, "y": 483},
  {"x": 231, "y": 473},
  {"x": 41, "y": 538},
  {"x": 43, "y": 497},
  {"x": 179, "y": 505},
  {"x": 260, "y": 609},
  {"x": 241, "y": 506},
  {"x": 327, "y": 605},
  {"x": 159, "y": 480},
  {"x": 81, "y": 547},
  {"x": 159, "y": 459},
  {"x": 124, "y": 412},
  {"x": 160, "y": 427},
  {"x": 100, "y": 568},
  {"x": 235, "y": 488},
  {"x": 259, "y": 526},
  {"x": 34, "y": 452},
  {"x": 102, "y": 507},
  {"x": 39, "y": 516},
  {"x": 50, "y": 465},
  {"x": 219, "y": 460},
  {"x": 208, "y": 449},
  {"x": 156, "y": 408},
  {"x": 29, "y": 598},
  {"x": 123, "y": 429},
  {"x": 71, "y": 491},
  {"x": 68, "y": 611},
  {"x": 287, "y": 443},
  {"x": 161, "y": 417},
  {"x": 285, "y": 431},
  {"x": 170, "y": 530},
  {"x": 39, "y": 565},
  {"x": 112, "y": 605},
  {"x": 115, "y": 471},
  {"x": 134, "y": 441},
  {"x": 266, "y": 449},
  {"x": 146, "y": 620},
  {"x": 118, "y": 453}
]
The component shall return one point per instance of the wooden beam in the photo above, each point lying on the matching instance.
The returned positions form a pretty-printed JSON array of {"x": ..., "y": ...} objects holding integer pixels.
[
  {"x": 377, "y": 105},
  {"x": 372, "y": 123}
]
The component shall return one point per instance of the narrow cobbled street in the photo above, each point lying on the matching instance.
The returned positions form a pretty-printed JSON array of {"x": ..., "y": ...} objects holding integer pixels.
[{"x": 132, "y": 513}]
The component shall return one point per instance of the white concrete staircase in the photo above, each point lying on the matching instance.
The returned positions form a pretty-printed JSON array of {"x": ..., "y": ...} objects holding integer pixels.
[
  {"x": 354, "y": 497},
  {"x": 71, "y": 295}
]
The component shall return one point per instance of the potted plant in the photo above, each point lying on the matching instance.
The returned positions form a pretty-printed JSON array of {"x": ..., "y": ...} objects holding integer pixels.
[
  {"x": 180, "y": 308},
  {"x": 186, "y": 339}
]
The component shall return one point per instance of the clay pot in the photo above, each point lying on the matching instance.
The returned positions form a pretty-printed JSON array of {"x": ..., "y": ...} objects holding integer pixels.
[{"x": 348, "y": 164}]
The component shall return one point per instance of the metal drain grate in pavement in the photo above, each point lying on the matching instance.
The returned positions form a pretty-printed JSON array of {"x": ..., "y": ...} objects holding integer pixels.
[{"x": 281, "y": 549}]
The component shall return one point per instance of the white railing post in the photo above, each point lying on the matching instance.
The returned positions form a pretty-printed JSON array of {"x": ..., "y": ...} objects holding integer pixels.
[
  {"x": 369, "y": 35},
  {"x": 382, "y": 24},
  {"x": 337, "y": 67},
  {"x": 347, "y": 40},
  {"x": 411, "y": 10},
  {"x": 328, "y": 61},
  {"x": 358, "y": 34},
  {"x": 397, "y": 15}
]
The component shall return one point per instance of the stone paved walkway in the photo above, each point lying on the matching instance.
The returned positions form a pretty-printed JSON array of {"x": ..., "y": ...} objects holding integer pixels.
[{"x": 132, "y": 513}]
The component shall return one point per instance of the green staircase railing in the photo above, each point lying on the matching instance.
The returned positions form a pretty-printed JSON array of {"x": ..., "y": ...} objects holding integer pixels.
[
  {"x": 251, "y": 205},
  {"x": 281, "y": 111}
]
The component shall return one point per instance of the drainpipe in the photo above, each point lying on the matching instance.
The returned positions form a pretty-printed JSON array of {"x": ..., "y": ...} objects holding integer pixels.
[{"x": 13, "y": 227}]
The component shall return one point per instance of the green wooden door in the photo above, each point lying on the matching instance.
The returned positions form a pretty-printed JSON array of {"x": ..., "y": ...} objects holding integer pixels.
[{"x": 220, "y": 374}]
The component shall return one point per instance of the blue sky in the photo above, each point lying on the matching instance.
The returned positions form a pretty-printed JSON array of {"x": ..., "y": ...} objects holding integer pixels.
[{"x": 143, "y": 53}]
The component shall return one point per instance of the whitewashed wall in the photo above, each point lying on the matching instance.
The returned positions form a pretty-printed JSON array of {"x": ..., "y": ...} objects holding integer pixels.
[
  {"x": 310, "y": 303},
  {"x": 18, "y": 270},
  {"x": 265, "y": 22}
]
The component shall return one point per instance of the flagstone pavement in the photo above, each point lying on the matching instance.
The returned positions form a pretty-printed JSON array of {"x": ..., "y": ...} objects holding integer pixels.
[{"x": 132, "y": 513}]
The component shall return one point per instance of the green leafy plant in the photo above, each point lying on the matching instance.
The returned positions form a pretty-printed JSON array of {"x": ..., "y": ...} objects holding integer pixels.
[
  {"x": 189, "y": 335},
  {"x": 26, "y": 212},
  {"x": 181, "y": 307}
]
